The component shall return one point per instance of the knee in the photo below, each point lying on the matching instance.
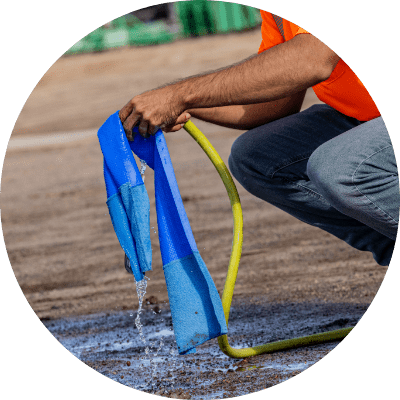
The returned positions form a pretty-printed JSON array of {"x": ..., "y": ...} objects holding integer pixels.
[
  {"x": 329, "y": 172},
  {"x": 318, "y": 169}
]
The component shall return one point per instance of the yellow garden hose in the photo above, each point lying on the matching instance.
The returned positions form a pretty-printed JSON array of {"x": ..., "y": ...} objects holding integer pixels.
[{"x": 234, "y": 264}]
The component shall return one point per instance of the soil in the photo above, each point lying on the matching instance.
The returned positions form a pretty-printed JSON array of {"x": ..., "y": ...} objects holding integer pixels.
[{"x": 68, "y": 261}]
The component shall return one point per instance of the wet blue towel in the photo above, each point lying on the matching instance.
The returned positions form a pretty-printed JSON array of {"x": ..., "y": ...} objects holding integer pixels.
[{"x": 196, "y": 307}]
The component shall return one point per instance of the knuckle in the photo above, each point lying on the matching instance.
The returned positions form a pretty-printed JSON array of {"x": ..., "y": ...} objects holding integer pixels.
[{"x": 146, "y": 116}]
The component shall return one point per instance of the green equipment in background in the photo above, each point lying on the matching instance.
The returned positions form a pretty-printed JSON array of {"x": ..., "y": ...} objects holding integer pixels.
[{"x": 191, "y": 18}]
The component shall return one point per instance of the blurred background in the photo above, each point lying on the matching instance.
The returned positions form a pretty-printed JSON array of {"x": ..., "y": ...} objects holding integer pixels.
[
  {"x": 168, "y": 22},
  {"x": 103, "y": 70},
  {"x": 137, "y": 52}
]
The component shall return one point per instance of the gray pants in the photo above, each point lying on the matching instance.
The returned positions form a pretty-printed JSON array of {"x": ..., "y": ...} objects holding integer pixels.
[{"x": 328, "y": 170}]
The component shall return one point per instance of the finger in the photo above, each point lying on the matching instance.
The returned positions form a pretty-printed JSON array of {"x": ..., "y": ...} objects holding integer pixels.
[
  {"x": 125, "y": 111},
  {"x": 152, "y": 129},
  {"x": 173, "y": 128},
  {"x": 167, "y": 128},
  {"x": 143, "y": 129},
  {"x": 177, "y": 128},
  {"x": 128, "y": 125},
  {"x": 129, "y": 135},
  {"x": 178, "y": 124}
]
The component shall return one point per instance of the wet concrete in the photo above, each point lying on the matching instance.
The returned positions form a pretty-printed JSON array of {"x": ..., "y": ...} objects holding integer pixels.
[{"x": 110, "y": 343}]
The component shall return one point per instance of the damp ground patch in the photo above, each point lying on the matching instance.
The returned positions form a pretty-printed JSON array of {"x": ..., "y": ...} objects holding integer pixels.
[{"x": 110, "y": 344}]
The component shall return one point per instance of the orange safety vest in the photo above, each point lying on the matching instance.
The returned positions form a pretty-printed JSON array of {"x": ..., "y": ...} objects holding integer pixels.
[{"x": 342, "y": 90}]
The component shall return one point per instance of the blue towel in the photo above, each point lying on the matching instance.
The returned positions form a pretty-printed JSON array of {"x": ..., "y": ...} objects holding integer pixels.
[{"x": 196, "y": 307}]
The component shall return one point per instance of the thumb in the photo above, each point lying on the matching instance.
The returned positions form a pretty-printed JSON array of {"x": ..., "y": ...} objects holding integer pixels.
[
  {"x": 183, "y": 118},
  {"x": 178, "y": 123}
]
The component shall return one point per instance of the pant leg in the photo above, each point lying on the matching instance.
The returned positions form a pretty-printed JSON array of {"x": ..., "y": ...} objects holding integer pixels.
[
  {"x": 270, "y": 162},
  {"x": 356, "y": 173}
]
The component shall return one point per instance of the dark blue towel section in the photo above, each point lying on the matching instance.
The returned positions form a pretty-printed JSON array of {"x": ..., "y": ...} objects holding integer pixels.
[
  {"x": 175, "y": 234},
  {"x": 196, "y": 307}
]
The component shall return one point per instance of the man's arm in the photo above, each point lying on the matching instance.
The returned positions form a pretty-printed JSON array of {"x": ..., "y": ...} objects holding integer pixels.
[
  {"x": 275, "y": 74},
  {"x": 249, "y": 116}
]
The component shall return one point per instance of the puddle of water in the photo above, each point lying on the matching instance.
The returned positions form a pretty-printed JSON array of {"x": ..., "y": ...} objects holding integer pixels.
[
  {"x": 111, "y": 344},
  {"x": 287, "y": 367},
  {"x": 162, "y": 333}
]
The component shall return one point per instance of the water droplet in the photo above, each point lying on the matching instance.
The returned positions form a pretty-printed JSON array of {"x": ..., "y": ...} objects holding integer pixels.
[{"x": 143, "y": 166}]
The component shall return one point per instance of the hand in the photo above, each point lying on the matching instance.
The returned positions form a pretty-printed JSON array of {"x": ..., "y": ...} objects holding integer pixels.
[{"x": 160, "y": 108}]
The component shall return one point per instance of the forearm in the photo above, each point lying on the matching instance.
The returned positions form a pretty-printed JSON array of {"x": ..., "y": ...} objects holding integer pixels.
[
  {"x": 280, "y": 72},
  {"x": 249, "y": 116},
  {"x": 275, "y": 74}
]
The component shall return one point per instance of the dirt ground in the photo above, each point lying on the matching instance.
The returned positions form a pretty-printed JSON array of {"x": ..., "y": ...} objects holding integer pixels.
[{"x": 57, "y": 230}]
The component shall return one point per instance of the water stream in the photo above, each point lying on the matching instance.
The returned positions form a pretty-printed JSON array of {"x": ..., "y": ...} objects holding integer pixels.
[{"x": 151, "y": 351}]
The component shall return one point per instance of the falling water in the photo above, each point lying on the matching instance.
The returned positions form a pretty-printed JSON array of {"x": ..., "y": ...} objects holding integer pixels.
[{"x": 141, "y": 288}]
